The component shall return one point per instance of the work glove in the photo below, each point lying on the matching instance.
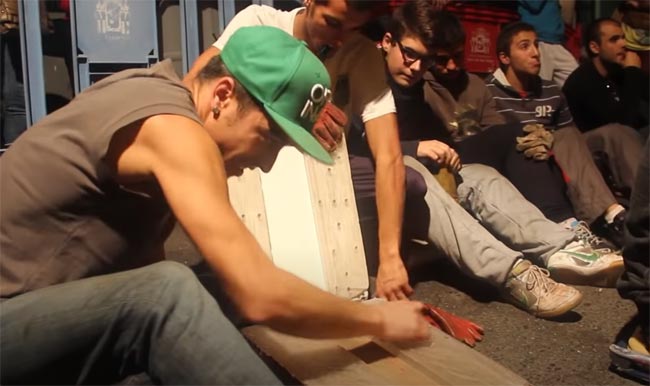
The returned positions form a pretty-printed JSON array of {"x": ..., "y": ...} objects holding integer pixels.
[
  {"x": 537, "y": 142},
  {"x": 328, "y": 128},
  {"x": 462, "y": 329}
]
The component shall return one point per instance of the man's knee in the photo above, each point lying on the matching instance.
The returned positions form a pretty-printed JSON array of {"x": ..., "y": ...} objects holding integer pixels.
[
  {"x": 169, "y": 282},
  {"x": 474, "y": 174},
  {"x": 416, "y": 187}
]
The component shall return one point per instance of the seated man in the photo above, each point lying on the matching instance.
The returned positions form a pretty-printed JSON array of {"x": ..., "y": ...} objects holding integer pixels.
[
  {"x": 503, "y": 213},
  {"x": 460, "y": 110},
  {"x": 608, "y": 98},
  {"x": 523, "y": 97},
  {"x": 329, "y": 27},
  {"x": 95, "y": 188}
]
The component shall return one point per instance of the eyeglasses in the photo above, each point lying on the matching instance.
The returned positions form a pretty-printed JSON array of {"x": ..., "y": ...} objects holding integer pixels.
[{"x": 409, "y": 56}]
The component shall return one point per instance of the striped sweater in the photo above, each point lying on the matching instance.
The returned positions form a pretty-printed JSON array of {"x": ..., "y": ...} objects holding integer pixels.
[{"x": 544, "y": 104}]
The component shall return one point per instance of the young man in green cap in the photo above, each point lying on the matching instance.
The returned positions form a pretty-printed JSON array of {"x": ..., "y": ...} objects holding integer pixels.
[
  {"x": 91, "y": 192},
  {"x": 329, "y": 28}
]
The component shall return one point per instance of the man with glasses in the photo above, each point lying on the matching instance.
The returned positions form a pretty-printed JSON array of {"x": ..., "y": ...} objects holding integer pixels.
[{"x": 416, "y": 38}]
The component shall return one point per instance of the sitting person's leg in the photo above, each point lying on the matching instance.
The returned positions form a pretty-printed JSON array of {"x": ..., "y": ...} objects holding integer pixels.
[
  {"x": 157, "y": 319},
  {"x": 623, "y": 146},
  {"x": 634, "y": 283},
  {"x": 539, "y": 181},
  {"x": 504, "y": 211},
  {"x": 521, "y": 226},
  {"x": 459, "y": 236},
  {"x": 542, "y": 184},
  {"x": 476, "y": 252},
  {"x": 589, "y": 194}
]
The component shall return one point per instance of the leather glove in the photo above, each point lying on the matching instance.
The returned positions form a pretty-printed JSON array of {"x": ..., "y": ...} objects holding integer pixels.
[
  {"x": 462, "y": 329},
  {"x": 537, "y": 143},
  {"x": 328, "y": 128}
]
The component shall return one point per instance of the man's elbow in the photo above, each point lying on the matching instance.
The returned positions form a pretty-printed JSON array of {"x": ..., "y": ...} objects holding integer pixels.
[
  {"x": 262, "y": 304},
  {"x": 390, "y": 158}
]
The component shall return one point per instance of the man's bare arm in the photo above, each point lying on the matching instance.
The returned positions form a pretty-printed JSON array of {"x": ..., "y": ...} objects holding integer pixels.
[
  {"x": 190, "y": 172},
  {"x": 383, "y": 139}
]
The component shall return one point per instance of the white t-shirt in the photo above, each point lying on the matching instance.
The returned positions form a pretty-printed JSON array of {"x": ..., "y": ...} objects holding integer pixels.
[{"x": 357, "y": 68}]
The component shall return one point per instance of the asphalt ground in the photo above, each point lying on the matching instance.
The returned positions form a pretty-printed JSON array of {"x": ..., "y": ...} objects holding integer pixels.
[{"x": 571, "y": 350}]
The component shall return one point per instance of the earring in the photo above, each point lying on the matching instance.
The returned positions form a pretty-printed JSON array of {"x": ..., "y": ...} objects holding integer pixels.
[{"x": 216, "y": 112}]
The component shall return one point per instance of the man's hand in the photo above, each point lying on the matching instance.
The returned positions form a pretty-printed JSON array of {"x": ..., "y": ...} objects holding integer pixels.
[
  {"x": 632, "y": 59},
  {"x": 441, "y": 153},
  {"x": 403, "y": 321},
  {"x": 393, "y": 280},
  {"x": 328, "y": 128}
]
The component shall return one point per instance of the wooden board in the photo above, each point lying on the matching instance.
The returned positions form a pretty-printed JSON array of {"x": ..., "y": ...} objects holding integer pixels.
[
  {"x": 366, "y": 361},
  {"x": 304, "y": 215}
]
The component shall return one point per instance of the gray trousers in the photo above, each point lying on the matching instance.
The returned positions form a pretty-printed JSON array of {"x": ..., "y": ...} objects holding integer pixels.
[
  {"x": 624, "y": 148},
  {"x": 158, "y": 319},
  {"x": 587, "y": 189},
  {"x": 504, "y": 226}
]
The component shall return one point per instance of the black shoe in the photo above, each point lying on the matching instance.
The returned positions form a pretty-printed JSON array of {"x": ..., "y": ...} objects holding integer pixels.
[{"x": 614, "y": 231}]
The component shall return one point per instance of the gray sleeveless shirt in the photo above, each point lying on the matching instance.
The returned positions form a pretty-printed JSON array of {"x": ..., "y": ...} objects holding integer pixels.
[{"x": 62, "y": 214}]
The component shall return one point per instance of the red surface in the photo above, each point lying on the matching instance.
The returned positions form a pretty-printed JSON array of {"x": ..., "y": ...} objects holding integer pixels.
[{"x": 482, "y": 25}]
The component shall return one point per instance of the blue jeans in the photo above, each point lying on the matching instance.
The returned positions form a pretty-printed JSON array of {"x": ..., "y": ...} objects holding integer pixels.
[
  {"x": 492, "y": 227},
  {"x": 158, "y": 319},
  {"x": 13, "y": 121}
]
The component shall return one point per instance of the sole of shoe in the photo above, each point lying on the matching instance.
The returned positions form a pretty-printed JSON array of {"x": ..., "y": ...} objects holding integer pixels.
[
  {"x": 566, "y": 307},
  {"x": 604, "y": 277}
]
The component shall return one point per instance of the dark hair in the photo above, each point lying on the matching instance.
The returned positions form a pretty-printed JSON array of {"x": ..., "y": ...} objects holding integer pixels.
[
  {"x": 592, "y": 32},
  {"x": 415, "y": 18},
  {"x": 359, "y": 5},
  {"x": 215, "y": 69},
  {"x": 508, "y": 32},
  {"x": 448, "y": 32}
]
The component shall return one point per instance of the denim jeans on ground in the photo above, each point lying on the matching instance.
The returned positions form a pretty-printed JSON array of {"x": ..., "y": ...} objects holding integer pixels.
[
  {"x": 501, "y": 228},
  {"x": 158, "y": 319}
]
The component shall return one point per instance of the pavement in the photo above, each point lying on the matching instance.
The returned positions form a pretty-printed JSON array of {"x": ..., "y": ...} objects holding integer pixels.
[{"x": 571, "y": 350}]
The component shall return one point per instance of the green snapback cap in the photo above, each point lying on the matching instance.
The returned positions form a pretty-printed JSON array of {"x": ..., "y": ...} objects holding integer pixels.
[{"x": 285, "y": 77}]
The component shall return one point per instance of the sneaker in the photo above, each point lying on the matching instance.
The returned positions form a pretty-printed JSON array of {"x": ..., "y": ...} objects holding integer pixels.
[
  {"x": 530, "y": 288},
  {"x": 579, "y": 264},
  {"x": 584, "y": 234}
]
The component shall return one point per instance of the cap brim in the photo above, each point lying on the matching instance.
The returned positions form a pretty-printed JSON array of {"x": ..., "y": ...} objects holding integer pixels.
[{"x": 303, "y": 139}]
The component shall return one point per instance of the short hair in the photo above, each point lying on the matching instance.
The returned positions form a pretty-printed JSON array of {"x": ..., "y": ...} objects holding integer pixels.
[
  {"x": 359, "y": 5},
  {"x": 592, "y": 32},
  {"x": 414, "y": 18},
  {"x": 215, "y": 69},
  {"x": 448, "y": 32},
  {"x": 508, "y": 32}
]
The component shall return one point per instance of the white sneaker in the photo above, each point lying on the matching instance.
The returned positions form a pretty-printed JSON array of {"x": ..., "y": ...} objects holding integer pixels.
[{"x": 579, "y": 264}]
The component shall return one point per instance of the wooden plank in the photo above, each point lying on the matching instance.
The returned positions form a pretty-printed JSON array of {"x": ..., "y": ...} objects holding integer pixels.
[
  {"x": 337, "y": 224},
  {"x": 298, "y": 197},
  {"x": 247, "y": 198},
  {"x": 365, "y": 361}
]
